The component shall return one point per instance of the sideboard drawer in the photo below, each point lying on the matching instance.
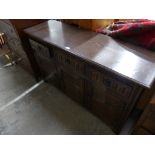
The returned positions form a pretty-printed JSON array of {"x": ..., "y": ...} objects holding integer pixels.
[
  {"x": 118, "y": 86},
  {"x": 68, "y": 61}
]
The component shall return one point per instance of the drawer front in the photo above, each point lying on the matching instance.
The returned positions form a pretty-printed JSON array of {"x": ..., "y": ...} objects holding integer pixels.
[
  {"x": 69, "y": 62},
  {"x": 116, "y": 86},
  {"x": 39, "y": 49}
]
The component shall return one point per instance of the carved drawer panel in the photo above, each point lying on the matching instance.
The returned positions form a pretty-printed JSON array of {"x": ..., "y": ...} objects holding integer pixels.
[
  {"x": 68, "y": 61},
  {"x": 117, "y": 86}
]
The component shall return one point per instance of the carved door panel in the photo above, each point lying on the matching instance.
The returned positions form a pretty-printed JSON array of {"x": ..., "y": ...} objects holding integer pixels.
[
  {"x": 111, "y": 97},
  {"x": 73, "y": 86}
]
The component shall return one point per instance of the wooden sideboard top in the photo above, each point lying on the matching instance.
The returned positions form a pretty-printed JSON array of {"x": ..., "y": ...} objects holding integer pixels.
[
  {"x": 132, "y": 62},
  {"x": 128, "y": 60},
  {"x": 59, "y": 34}
]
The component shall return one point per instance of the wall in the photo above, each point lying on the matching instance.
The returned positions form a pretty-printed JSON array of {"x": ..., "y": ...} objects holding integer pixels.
[
  {"x": 91, "y": 24},
  {"x": 97, "y": 23}
]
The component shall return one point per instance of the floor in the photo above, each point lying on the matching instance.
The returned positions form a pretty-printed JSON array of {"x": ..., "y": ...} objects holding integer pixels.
[{"x": 41, "y": 109}]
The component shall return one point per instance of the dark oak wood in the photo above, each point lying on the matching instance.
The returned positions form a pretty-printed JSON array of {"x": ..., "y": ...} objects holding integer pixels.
[
  {"x": 62, "y": 35},
  {"x": 107, "y": 76},
  {"x": 135, "y": 63}
]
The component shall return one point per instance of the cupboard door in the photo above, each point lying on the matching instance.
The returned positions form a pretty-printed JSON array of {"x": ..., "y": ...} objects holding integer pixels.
[
  {"x": 111, "y": 98},
  {"x": 40, "y": 49},
  {"x": 73, "y": 86},
  {"x": 107, "y": 105},
  {"x": 43, "y": 57}
]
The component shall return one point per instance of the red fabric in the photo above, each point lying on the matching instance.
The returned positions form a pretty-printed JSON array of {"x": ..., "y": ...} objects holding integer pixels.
[{"x": 141, "y": 32}]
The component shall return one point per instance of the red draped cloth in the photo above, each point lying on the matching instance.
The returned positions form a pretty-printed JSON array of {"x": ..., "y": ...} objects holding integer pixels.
[{"x": 140, "y": 32}]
